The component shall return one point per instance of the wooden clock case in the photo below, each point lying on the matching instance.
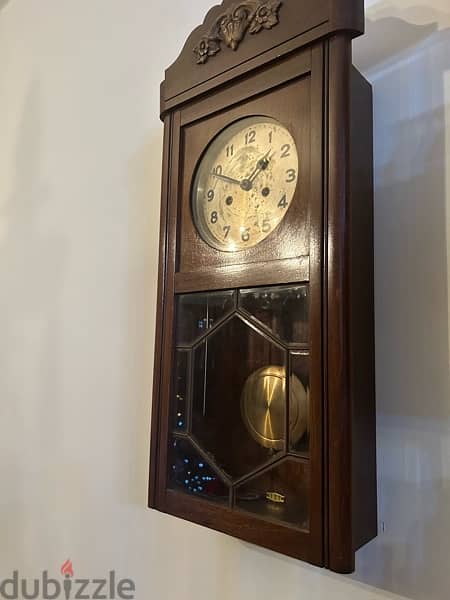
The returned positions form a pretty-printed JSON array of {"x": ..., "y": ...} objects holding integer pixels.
[{"x": 300, "y": 72}]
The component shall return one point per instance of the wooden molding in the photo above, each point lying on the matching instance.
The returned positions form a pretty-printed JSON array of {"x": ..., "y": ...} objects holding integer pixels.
[{"x": 232, "y": 25}]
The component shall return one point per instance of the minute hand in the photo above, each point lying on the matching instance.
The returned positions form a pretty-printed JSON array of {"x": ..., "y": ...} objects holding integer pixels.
[{"x": 225, "y": 178}]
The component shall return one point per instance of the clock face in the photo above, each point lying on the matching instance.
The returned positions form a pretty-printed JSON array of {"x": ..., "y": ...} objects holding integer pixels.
[{"x": 245, "y": 183}]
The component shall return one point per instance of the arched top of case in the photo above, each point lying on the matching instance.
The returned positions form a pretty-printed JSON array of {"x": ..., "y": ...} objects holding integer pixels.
[{"x": 239, "y": 36}]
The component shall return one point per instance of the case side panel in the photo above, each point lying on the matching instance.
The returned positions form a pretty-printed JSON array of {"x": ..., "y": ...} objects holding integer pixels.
[
  {"x": 340, "y": 538},
  {"x": 159, "y": 332},
  {"x": 364, "y": 498}
]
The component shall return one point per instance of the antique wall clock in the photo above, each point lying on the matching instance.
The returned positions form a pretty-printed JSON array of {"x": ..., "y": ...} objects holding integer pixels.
[{"x": 263, "y": 421}]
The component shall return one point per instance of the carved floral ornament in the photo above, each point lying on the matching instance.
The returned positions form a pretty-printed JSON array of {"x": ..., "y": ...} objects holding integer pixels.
[{"x": 231, "y": 27}]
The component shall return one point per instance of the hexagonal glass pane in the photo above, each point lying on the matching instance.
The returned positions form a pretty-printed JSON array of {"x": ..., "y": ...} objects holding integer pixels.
[
  {"x": 179, "y": 404},
  {"x": 196, "y": 313},
  {"x": 239, "y": 397},
  {"x": 190, "y": 473},
  {"x": 279, "y": 494},
  {"x": 299, "y": 415},
  {"x": 284, "y": 310}
]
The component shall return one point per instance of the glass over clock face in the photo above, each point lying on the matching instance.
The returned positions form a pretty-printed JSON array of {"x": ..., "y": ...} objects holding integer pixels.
[{"x": 245, "y": 183}]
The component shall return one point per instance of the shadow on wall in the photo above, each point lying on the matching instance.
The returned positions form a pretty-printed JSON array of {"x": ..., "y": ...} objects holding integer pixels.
[{"x": 409, "y": 64}]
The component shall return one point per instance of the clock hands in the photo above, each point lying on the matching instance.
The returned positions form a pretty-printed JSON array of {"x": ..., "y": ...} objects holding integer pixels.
[
  {"x": 261, "y": 165},
  {"x": 247, "y": 183},
  {"x": 225, "y": 178}
]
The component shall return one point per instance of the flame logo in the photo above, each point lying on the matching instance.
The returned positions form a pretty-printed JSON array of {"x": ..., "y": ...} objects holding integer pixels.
[{"x": 67, "y": 568}]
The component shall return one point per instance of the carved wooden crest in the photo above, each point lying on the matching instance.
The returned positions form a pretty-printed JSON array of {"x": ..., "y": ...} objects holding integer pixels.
[{"x": 231, "y": 27}]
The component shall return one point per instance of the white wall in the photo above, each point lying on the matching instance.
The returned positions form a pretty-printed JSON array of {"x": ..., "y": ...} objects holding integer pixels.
[
  {"x": 406, "y": 54},
  {"x": 80, "y": 153}
]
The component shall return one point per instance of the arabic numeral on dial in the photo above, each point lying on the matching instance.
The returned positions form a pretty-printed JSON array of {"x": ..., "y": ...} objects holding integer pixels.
[
  {"x": 283, "y": 202},
  {"x": 250, "y": 137},
  {"x": 210, "y": 195},
  {"x": 291, "y": 175},
  {"x": 266, "y": 226},
  {"x": 230, "y": 151},
  {"x": 285, "y": 150},
  {"x": 218, "y": 170},
  {"x": 245, "y": 235},
  {"x": 270, "y": 137},
  {"x": 226, "y": 230},
  {"x": 214, "y": 217}
]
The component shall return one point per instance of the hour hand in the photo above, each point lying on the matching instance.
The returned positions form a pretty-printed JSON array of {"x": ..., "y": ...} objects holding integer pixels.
[
  {"x": 261, "y": 165},
  {"x": 225, "y": 178}
]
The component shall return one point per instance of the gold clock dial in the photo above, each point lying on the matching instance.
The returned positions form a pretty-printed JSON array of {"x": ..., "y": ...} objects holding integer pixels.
[{"x": 245, "y": 184}]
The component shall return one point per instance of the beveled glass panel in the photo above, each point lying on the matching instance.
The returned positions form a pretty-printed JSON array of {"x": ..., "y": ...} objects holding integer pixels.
[
  {"x": 196, "y": 313},
  {"x": 279, "y": 494},
  {"x": 179, "y": 402},
  {"x": 284, "y": 310},
  {"x": 300, "y": 411},
  {"x": 190, "y": 473},
  {"x": 239, "y": 397}
]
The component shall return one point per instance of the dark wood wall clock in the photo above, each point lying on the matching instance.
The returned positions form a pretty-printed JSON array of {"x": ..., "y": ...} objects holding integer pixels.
[{"x": 263, "y": 421}]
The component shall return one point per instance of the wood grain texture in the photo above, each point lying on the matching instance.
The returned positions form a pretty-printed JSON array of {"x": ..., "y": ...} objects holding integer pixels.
[
  {"x": 168, "y": 309},
  {"x": 277, "y": 272},
  {"x": 316, "y": 253},
  {"x": 281, "y": 538},
  {"x": 362, "y": 342},
  {"x": 287, "y": 69},
  {"x": 289, "y": 104},
  {"x": 351, "y": 422},
  {"x": 200, "y": 268},
  {"x": 300, "y": 23},
  {"x": 339, "y": 426},
  {"x": 159, "y": 334},
  {"x": 326, "y": 240}
]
